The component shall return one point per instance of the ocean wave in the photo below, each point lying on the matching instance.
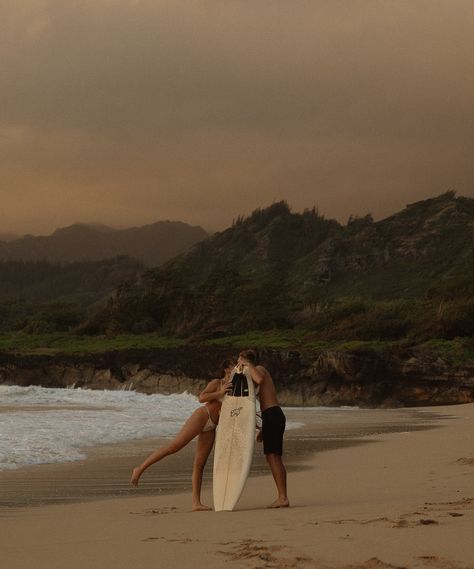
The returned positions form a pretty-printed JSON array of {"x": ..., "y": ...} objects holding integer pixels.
[{"x": 62, "y": 422}]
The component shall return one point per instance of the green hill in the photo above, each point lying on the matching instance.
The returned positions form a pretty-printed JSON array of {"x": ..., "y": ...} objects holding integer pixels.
[
  {"x": 43, "y": 296},
  {"x": 407, "y": 276}
]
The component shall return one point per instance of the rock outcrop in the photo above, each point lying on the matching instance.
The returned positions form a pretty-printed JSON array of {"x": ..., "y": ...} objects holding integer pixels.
[{"x": 360, "y": 377}]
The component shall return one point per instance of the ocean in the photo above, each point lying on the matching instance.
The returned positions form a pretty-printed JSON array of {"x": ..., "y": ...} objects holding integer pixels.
[{"x": 44, "y": 425}]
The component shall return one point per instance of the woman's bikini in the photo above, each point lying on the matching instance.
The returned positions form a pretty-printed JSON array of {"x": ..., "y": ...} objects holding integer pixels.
[{"x": 210, "y": 425}]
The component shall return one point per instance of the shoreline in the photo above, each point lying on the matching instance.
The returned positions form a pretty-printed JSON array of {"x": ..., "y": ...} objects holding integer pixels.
[
  {"x": 401, "y": 499},
  {"x": 105, "y": 470}
]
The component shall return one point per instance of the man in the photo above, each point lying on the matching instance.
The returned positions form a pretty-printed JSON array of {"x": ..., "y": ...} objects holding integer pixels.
[{"x": 273, "y": 424}]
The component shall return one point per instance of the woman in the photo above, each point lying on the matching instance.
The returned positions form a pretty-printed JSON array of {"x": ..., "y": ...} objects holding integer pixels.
[{"x": 201, "y": 423}]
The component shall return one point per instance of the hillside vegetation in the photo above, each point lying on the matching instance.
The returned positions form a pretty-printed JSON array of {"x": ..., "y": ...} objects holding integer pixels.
[
  {"x": 409, "y": 276},
  {"x": 38, "y": 297}
]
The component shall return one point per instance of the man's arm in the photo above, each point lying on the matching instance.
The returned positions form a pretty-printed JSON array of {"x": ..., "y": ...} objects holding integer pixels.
[{"x": 257, "y": 373}]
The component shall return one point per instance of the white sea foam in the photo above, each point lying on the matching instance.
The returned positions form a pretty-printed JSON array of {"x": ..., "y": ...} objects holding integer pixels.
[{"x": 42, "y": 425}]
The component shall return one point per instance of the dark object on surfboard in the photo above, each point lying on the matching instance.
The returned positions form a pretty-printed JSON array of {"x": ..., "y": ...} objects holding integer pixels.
[{"x": 240, "y": 387}]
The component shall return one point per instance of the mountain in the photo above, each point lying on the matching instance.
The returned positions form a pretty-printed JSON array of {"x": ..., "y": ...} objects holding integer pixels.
[
  {"x": 153, "y": 244},
  {"x": 7, "y": 237},
  {"x": 408, "y": 275}
]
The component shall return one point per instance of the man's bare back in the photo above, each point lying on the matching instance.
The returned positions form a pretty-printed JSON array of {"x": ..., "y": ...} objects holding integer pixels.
[{"x": 267, "y": 394}]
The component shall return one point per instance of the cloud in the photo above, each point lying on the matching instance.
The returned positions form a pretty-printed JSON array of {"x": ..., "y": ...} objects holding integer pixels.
[{"x": 134, "y": 111}]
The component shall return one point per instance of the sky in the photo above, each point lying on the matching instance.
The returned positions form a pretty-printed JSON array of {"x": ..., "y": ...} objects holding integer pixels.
[{"x": 127, "y": 112}]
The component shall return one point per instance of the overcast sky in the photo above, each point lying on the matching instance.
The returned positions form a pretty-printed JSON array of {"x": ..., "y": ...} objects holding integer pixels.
[{"x": 133, "y": 111}]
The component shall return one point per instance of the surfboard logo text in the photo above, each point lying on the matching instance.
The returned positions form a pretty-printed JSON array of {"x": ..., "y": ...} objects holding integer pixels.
[{"x": 235, "y": 412}]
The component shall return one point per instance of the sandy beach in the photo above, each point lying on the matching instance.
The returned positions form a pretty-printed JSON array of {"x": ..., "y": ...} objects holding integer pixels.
[{"x": 391, "y": 499}]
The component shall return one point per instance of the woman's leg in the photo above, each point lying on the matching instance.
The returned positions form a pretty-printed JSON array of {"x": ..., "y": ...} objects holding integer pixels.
[
  {"x": 203, "y": 449},
  {"x": 190, "y": 429}
]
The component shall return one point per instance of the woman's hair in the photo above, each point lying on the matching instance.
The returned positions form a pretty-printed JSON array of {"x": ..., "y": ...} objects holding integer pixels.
[
  {"x": 250, "y": 355},
  {"x": 228, "y": 362}
]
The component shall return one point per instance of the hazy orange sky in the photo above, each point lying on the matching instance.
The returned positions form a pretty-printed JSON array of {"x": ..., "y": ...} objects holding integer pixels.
[{"x": 129, "y": 112}]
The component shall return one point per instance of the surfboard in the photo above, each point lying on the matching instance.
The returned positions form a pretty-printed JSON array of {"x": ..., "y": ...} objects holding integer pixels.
[{"x": 235, "y": 438}]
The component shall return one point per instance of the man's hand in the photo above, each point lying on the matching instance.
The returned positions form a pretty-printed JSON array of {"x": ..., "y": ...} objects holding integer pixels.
[
  {"x": 243, "y": 361},
  {"x": 259, "y": 436}
]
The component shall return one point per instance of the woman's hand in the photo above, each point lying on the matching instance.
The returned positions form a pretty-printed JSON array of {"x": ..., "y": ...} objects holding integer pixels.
[{"x": 226, "y": 388}]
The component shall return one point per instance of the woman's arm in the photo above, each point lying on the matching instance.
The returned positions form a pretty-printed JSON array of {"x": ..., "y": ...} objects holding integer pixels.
[{"x": 213, "y": 390}]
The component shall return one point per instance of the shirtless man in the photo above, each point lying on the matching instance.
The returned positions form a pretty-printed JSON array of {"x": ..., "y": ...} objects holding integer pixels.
[{"x": 273, "y": 424}]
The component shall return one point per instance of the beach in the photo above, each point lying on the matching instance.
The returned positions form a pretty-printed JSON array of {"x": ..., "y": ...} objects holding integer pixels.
[{"x": 391, "y": 499}]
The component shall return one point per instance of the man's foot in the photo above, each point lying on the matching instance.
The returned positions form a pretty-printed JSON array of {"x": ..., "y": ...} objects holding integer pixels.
[
  {"x": 135, "y": 476},
  {"x": 201, "y": 508},
  {"x": 280, "y": 503}
]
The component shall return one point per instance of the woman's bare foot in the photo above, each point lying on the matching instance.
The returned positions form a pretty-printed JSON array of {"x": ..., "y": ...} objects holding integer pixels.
[
  {"x": 201, "y": 508},
  {"x": 280, "y": 503},
  {"x": 135, "y": 476}
]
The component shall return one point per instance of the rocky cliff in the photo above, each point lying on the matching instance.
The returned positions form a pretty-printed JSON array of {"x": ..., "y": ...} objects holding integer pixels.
[{"x": 364, "y": 377}]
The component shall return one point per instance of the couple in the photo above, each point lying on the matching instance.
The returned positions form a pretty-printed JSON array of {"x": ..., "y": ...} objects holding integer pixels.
[{"x": 204, "y": 420}]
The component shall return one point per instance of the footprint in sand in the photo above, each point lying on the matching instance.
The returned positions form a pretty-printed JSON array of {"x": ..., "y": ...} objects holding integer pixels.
[
  {"x": 434, "y": 513},
  {"x": 465, "y": 461},
  {"x": 464, "y": 504},
  {"x": 359, "y": 522},
  {"x": 405, "y": 521},
  {"x": 179, "y": 540},
  {"x": 373, "y": 563},
  {"x": 258, "y": 551},
  {"x": 436, "y": 562},
  {"x": 157, "y": 511}
]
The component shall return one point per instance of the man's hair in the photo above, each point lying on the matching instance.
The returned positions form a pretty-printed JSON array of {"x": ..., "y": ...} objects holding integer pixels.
[{"x": 250, "y": 355}]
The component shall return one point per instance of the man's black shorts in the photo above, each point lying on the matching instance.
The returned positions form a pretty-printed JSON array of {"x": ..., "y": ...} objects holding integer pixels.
[{"x": 273, "y": 427}]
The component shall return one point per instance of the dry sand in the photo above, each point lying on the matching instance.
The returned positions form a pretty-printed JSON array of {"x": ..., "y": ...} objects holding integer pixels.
[{"x": 405, "y": 500}]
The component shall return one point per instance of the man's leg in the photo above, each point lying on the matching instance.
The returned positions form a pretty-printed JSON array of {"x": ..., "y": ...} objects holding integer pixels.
[
  {"x": 273, "y": 428},
  {"x": 279, "y": 475}
]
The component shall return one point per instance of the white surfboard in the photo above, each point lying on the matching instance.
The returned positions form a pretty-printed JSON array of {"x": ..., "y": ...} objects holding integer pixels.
[{"x": 235, "y": 440}]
